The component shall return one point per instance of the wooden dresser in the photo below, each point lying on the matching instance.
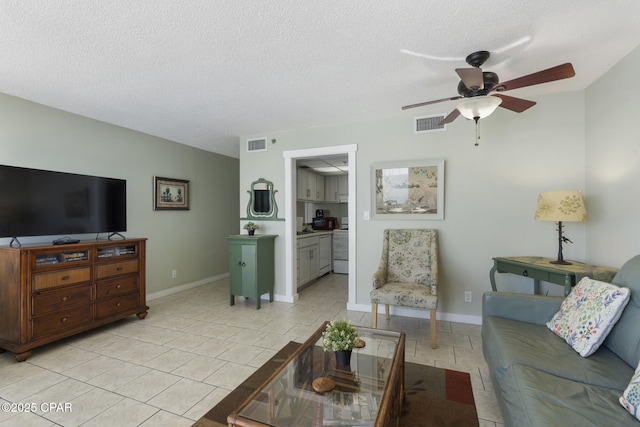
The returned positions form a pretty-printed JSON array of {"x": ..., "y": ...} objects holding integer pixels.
[{"x": 50, "y": 292}]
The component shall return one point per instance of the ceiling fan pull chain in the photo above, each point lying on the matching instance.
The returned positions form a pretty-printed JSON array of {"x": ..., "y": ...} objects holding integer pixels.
[{"x": 477, "y": 119}]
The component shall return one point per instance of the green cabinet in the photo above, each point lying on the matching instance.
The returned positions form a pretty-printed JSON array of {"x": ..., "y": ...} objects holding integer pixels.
[{"x": 251, "y": 266}]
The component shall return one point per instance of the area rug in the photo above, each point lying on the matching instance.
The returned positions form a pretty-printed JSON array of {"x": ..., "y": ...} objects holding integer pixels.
[{"x": 434, "y": 396}]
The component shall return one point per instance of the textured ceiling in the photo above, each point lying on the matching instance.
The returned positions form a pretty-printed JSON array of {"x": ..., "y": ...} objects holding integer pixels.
[{"x": 203, "y": 72}]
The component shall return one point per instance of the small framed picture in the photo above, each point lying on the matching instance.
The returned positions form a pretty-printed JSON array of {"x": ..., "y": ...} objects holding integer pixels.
[
  {"x": 170, "y": 194},
  {"x": 408, "y": 190}
]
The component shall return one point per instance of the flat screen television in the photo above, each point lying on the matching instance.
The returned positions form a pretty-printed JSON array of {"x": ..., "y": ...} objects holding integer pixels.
[{"x": 37, "y": 202}]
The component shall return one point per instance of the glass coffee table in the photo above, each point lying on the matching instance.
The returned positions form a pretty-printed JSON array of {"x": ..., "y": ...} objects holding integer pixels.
[{"x": 368, "y": 392}]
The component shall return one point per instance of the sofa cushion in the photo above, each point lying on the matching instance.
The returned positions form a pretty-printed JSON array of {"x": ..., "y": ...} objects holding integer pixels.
[
  {"x": 507, "y": 342},
  {"x": 588, "y": 314},
  {"x": 624, "y": 338},
  {"x": 630, "y": 399},
  {"x": 531, "y": 397}
]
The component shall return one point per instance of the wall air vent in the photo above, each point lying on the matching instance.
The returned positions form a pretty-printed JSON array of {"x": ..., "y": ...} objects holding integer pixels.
[
  {"x": 257, "y": 144},
  {"x": 424, "y": 124}
]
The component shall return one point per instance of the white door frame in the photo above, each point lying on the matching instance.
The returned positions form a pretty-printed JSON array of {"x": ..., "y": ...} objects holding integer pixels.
[{"x": 290, "y": 193}]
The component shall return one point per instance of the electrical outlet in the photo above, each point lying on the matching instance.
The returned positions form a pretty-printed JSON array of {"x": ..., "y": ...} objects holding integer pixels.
[
  {"x": 468, "y": 296},
  {"x": 174, "y": 274}
]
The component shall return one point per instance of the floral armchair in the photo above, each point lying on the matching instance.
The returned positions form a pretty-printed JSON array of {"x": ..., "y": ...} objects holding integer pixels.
[{"x": 408, "y": 274}]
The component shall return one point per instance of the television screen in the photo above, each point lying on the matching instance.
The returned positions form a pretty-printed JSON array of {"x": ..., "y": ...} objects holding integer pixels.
[{"x": 39, "y": 203}]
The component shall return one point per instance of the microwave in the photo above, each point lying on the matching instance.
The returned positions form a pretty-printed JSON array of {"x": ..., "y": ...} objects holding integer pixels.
[{"x": 325, "y": 223}]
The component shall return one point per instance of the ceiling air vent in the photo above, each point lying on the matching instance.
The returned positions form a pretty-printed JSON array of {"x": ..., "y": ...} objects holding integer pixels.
[
  {"x": 258, "y": 144},
  {"x": 424, "y": 124}
]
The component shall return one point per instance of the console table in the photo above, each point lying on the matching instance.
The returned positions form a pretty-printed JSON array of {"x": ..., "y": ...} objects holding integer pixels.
[{"x": 539, "y": 268}]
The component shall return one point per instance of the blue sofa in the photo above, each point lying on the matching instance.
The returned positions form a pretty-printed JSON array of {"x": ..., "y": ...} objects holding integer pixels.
[{"x": 540, "y": 380}]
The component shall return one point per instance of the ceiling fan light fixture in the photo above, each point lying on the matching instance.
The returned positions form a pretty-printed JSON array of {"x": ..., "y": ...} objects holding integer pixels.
[{"x": 478, "y": 106}]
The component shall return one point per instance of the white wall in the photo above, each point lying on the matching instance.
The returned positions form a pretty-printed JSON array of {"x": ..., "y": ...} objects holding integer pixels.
[
  {"x": 192, "y": 242},
  {"x": 613, "y": 164},
  {"x": 490, "y": 192}
]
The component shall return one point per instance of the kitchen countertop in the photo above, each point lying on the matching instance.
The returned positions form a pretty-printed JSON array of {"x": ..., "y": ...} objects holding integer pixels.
[{"x": 314, "y": 233}]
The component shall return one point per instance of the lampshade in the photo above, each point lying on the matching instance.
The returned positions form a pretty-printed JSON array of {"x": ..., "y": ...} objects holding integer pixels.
[
  {"x": 478, "y": 106},
  {"x": 561, "y": 206}
]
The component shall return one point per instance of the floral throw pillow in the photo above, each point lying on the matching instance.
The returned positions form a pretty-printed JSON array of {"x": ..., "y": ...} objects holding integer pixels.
[
  {"x": 588, "y": 314},
  {"x": 630, "y": 399}
]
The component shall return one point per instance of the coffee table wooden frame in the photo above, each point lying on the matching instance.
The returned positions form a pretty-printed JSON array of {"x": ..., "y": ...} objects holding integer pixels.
[{"x": 390, "y": 406}]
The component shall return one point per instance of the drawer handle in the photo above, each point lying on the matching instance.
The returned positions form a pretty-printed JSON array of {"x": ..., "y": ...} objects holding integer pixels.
[
  {"x": 118, "y": 286},
  {"x": 119, "y": 269},
  {"x": 65, "y": 278},
  {"x": 64, "y": 319},
  {"x": 525, "y": 273},
  {"x": 118, "y": 304},
  {"x": 64, "y": 298},
  {"x": 242, "y": 264}
]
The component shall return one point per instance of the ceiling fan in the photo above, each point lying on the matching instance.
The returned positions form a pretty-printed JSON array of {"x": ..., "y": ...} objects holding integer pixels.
[{"x": 476, "y": 86}]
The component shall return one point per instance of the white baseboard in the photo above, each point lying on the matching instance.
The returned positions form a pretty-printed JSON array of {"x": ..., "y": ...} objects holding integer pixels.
[
  {"x": 184, "y": 287},
  {"x": 400, "y": 311},
  {"x": 419, "y": 314},
  {"x": 284, "y": 298}
]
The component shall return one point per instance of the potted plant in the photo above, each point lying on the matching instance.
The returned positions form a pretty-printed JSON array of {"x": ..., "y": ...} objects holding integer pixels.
[
  {"x": 251, "y": 227},
  {"x": 340, "y": 336}
]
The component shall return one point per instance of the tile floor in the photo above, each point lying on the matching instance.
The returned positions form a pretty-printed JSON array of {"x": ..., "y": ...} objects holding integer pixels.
[{"x": 192, "y": 349}]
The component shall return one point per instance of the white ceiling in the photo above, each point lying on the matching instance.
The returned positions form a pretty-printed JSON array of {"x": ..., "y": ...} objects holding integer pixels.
[
  {"x": 203, "y": 72},
  {"x": 336, "y": 164}
]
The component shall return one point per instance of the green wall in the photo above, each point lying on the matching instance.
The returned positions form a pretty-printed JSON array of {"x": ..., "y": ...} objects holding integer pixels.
[
  {"x": 491, "y": 190},
  {"x": 191, "y": 242},
  {"x": 613, "y": 164}
]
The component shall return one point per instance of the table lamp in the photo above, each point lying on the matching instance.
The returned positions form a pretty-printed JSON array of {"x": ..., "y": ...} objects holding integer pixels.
[{"x": 561, "y": 206}]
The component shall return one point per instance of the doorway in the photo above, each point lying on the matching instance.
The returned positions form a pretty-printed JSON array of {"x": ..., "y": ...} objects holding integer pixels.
[{"x": 290, "y": 214}]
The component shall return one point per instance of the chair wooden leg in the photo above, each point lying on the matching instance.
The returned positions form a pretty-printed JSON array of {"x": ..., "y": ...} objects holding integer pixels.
[
  {"x": 374, "y": 315},
  {"x": 433, "y": 329},
  {"x": 386, "y": 311}
]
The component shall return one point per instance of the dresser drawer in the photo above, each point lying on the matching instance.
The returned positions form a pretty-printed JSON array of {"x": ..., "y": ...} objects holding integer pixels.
[
  {"x": 117, "y": 305},
  {"x": 109, "y": 270},
  {"x": 123, "y": 285},
  {"x": 61, "y": 299},
  {"x": 61, "y": 320},
  {"x": 61, "y": 278}
]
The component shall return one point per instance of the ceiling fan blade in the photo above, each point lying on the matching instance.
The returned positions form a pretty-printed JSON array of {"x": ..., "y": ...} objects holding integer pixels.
[
  {"x": 421, "y": 104},
  {"x": 559, "y": 72},
  {"x": 451, "y": 117},
  {"x": 515, "y": 104},
  {"x": 471, "y": 77}
]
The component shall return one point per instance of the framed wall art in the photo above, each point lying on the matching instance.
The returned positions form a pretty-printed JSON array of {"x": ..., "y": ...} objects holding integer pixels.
[
  {"x": 412, "y": 189},
  {"x": 170, "y": 194}
]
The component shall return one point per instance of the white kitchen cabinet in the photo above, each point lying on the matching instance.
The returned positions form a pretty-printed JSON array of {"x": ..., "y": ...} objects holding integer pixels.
[
  {"x": 336, "y": 188},
  {"x": 331, "y": 188},
  {"x": 303, "y": 191},
  {"x": 314, "y": 257},
  {"x": 308, "y": 262},
  {"x": 319, "y": 190},
  {"x": 343, "y": 188},
  {"x": 310, "y": 186}
]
